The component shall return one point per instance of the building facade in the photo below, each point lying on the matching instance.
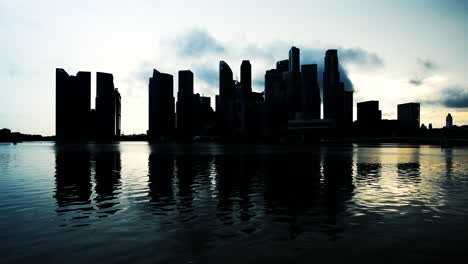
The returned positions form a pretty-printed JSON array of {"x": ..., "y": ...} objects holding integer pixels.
[{"x": 161, "y": 107}]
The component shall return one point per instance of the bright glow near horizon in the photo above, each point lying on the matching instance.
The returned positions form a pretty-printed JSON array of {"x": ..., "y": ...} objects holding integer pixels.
[{"x": 408, "y": 50}]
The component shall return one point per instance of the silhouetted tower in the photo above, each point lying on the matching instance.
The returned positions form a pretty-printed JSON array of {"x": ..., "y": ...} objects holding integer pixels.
[
  {"x": 408, "y": 115},
  {"x": 105, "y": 106},
  {"x": 227, "y": 96},
  {"x": 161, "y": 106},
  {"x": 293, "y": 92},
  {"x": 118, "y": 110},
  {"x": 207, "y": 116},
  {"x": 185, "y": 104},
  {"x": 275, "y": 102},
  {"x": 368, "y": 114},
  {"x": 196, "y": 115},
  {"x": 294, "y": 59},
  {"x": 333, "y": 89},
  {"x": 282, "y": 65},
  {"x": 348, "y": 109},
  {"x": 310, "y": 92},
  {"x": 246, "y": 77},
  {"x": 72, "y": 105},
  {"x": 245, "y": 100},
  {"x": 449, "y": 121}
]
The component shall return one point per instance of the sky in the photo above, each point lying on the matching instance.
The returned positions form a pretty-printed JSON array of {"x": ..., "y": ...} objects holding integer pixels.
[{"x": 391, "y": 51}]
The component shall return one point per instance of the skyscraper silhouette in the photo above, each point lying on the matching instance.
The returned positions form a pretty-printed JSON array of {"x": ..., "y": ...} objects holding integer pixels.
[
  {"x": 246, "y": 100},
  {"x": 368, "y": 114},
  {"x": 105, "y": 106},
  {"x": 337, "y": 102},
  {"x": 118, "y": 110},
  {"x": 408, "y": 115},
  {"x": 72, "y": 105},
  {"x": 310, "y": 92},
  {"x": 275, "y": 102},
  {"x": 246, "y": 77},
  {"x": 282, "y": 65},
  {"x": 161, "y": 106},
  {"x": 227, "y": 96},
  {"x": 348, "y": 111},
  {"x": 293, "y": 92},
  {"x": 185, "y": 105},
  {"x": 294, "y": 59},
  {"x": 449, "y": 121},
  {"x": 331, "y": 87}
]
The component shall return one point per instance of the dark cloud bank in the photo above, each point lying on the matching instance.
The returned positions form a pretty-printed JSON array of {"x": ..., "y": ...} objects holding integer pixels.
[
  {"x": 198, "y": 43},
  {"x": 456, "y": 97}
]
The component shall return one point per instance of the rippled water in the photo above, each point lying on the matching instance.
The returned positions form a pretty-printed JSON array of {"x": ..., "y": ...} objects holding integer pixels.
[{"x": 208, "y": 203}]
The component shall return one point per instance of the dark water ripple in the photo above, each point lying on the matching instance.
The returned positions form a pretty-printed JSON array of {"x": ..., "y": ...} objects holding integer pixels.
[{"x": 207, "y": 203}]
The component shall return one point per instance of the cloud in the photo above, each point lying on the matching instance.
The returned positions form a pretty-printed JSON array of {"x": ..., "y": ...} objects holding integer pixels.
[
  {"x": 425, "y": 71},
  {"x": 416, "y": 82},
  {"x": 202, "y": 51},
  {"x": 198, "y": 42},
  {"x": 144, "y": 72},
  {"x": 456, "y": 97},
  {"x": 258, "y": 82},
  {"x": 316, "y": 56},
  {"x": 360, "y": 57},
  {"x": 207, "y": 74},
  {"x": 426, "y": 64}
]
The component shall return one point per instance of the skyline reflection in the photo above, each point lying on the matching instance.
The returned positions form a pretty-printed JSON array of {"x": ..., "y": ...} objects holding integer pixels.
[{"x": 247, "y": 189}]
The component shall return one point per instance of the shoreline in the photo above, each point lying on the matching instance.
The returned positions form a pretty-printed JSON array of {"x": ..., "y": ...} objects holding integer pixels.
[{"x": 329, "y": 141}]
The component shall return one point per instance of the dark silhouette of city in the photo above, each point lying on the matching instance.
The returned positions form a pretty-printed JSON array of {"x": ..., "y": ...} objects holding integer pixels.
[
  {"x": 75, "y": 120},
  {"x": 288, "y": 110}
]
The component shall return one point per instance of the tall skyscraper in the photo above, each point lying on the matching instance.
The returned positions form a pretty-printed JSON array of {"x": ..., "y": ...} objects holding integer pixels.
[
  {"x": 275, "y": 102},
  {"x": 161, "y": 106},
  {"x": 73, "y": 105},
  {"x": 348, "y": 110},
  {"x": 368, "y": 114},
  {"x": 118, "y": 110},
  {"x": 408, "y": 115},
  {"x": 185, "y": 105},
  {"x": 334, "y": 91},
  {"x": 207, "y": 116},
  {"x": 294, "y": 60},
  {"x": 246, "y": 77},
  {"x": 227, "y": 96},
  {"x": 310, "y": 92},
  {"x": 449, "y": 121},
  {"x": 105, "y": 106},
  {"x": 245, "y": 99},
  {"x": 293, "y": 83}
]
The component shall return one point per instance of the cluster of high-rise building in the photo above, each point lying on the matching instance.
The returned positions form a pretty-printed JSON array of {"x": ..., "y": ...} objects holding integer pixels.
[
  {"x": 74, "y": 118},
  {"x": 194, "y": 114},
  {"x": 289, "y": 107},
  {"x": 369, "y": 119},
  {"x": 293, "y": 100},
  {"x": 290, "y": 104}
]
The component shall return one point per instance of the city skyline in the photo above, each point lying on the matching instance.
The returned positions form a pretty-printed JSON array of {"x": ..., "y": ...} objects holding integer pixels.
[
  {"x": 392, "y": 52},
  {"x": 288, "y": 110}
]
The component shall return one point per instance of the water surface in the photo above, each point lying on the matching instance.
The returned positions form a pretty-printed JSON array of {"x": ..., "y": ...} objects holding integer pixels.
[{"x": 208, "y": 203}]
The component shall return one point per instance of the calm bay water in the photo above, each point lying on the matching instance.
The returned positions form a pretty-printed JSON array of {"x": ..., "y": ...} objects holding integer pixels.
[{"x": 208, "y": 203}]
